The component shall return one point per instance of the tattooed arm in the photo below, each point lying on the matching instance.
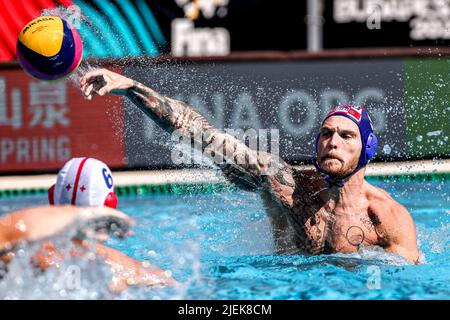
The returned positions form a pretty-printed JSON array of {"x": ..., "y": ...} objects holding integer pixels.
[{"x": 242, "y": 165}]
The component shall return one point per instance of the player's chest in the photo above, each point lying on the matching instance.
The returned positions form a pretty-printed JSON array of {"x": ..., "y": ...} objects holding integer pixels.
[
  {"x": 331, "y": 232},
  {"x": 350, "y": 233}
]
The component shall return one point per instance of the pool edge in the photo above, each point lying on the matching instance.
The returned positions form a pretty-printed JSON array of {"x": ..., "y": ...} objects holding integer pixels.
[{"x": 207, "y": 181}]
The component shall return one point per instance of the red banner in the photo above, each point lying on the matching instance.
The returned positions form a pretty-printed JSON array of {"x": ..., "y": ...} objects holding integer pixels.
[{"x": 43, "y": 124}]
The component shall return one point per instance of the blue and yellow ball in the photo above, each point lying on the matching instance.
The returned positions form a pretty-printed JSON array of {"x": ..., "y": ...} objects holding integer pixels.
[{"x": 49, "y": 48}]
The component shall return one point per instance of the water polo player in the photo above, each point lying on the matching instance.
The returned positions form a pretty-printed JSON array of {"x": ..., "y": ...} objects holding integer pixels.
[
  {"x": 83, "y": 194},
  {"x": 328, "y": 210}
]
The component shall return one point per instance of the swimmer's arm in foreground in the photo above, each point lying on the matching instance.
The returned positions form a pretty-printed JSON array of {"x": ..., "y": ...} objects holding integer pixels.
[
  {"x": 34, "y": 224},
  {"x": 39, "y": 223},
  {"x": 126, "y": 270},
  {"x": 395, "y": 227},
  {"x": 247, "y": 168}
]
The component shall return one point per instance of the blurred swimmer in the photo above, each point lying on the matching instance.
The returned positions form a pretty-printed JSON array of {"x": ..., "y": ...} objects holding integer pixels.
[
  {"x": 82, "y": 196},
  {"x": 328, "y": 210}
]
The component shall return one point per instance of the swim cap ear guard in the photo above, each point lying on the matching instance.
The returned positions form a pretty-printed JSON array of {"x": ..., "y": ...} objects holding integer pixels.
[
  {"x": 111, "y": 200},
  {"x": 51, "y": 195},
  {"x": 368, "y": 139},
  {"x": 371, "y": 147}
]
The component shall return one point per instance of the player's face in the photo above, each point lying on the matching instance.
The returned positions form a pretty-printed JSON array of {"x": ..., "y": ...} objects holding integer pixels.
[{"x": 339, "y": 146}]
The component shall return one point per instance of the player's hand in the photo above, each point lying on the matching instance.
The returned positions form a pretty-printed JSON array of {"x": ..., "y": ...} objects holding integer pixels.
[
  {"x": 104, "y": 221},
  {"x": 103, "y": 81}
]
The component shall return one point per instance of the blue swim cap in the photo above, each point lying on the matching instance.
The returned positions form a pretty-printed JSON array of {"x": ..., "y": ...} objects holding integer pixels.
[{"x": 368, "y": 139}]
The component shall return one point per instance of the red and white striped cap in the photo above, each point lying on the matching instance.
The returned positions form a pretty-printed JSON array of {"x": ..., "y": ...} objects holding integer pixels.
[{"x": 84, "y": 182}]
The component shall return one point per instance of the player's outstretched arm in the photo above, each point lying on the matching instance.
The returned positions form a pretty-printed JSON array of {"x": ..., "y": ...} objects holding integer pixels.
[{"x": 246, "y": 167}]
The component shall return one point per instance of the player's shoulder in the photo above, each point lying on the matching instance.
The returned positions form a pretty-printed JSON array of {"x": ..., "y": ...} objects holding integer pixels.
[{"x": 383, "y": 205}]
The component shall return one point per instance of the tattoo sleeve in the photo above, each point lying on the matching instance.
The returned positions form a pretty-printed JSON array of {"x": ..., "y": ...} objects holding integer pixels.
[{"x": 247, "y": 168}]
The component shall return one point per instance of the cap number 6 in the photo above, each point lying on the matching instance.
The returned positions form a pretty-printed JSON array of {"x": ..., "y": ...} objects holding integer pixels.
[{"x": 108, "y": 178}]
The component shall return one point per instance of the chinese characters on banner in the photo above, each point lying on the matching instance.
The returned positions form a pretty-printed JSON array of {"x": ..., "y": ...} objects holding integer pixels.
[{"x": 43, "y": 124}]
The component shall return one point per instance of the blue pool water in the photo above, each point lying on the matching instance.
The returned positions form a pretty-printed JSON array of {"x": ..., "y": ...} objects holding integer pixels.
[{"x": 220, "y": 246}]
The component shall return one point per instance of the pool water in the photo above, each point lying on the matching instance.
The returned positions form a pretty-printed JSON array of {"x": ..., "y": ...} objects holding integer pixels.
[{"x": 220, "y": 247}]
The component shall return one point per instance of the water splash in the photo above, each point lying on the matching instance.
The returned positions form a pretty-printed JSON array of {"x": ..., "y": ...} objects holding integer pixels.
[{"x": 74, "y": 278}]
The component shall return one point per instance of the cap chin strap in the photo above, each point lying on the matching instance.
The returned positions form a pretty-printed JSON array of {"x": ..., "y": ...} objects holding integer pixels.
[{"x": 335, "y": 182}]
